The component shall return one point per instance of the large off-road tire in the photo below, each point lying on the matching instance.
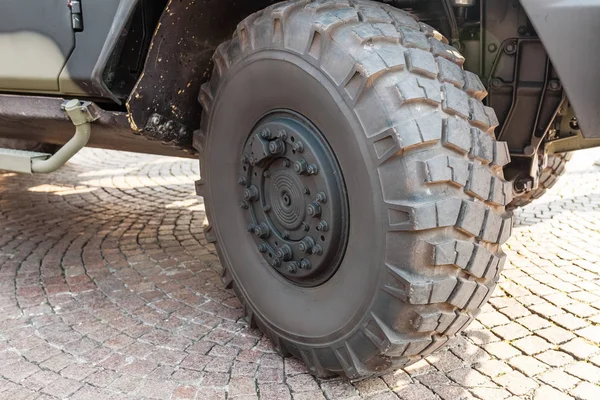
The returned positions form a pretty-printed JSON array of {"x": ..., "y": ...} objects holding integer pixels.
[
  {"x": 420, "y": 174},
  {"x": 549, "y": 175}
]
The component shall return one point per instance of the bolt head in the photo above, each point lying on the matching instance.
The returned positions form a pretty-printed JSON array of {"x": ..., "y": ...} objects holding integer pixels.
[
  {"x": 305, "y": 227},
  {"x": 285, "y": 234},
  {"x": 267, "y": 174},
  {"x": 312, "y": 169},
  {"x": 250, "y": 227},
  {"x": 317, "y": 249},
  {"x": 282, "y": 134},
  {"x": 314, "y": 209},
  {"x": 321, "y": 197},
  {"x": 286, "y": 163},
  {"x": 300, "y": 167},
  {"x": 265, "y": 133},
  {"x": 244, "y": 205},
  {"x": 492, "y": 47},
  {"x": 323, "y": 226},
  {"x": 292, "y": 267},
  {"x": 262, "y": 248},
  {"x": 305, "y": 264},
  {"x": 298, "y": 147},
  {"x": 267, "y": 208},
  {"x": 306, "y": 190},
  {"x": 241, "y": 180},
  {"x": 244, "y": 158},
  {"x": 275, "y": 262}
]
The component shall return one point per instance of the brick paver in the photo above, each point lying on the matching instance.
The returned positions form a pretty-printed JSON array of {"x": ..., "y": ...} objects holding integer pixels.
[{"x": 109, "y": 290}]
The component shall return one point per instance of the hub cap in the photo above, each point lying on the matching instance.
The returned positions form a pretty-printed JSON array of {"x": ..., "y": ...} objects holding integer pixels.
[{"x": 294, "y": 198}]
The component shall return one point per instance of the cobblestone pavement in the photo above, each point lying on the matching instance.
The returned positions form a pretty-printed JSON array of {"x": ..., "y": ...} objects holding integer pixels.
[{"x": 108, "y": 290}]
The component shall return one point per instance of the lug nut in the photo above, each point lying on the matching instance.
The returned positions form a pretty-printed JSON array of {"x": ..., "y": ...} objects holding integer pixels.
[
  {"x": 312, "y": 169},
  {"x": 317, "y": 249},
  {"x": 262, "y": 230},
  {"x": 323, "y": 226},
  {"x": 276, "y": 147},
  {"x": 305, "y": 264},
  {"x": 244, "y": 158},
  {"x": 285, "y": 235},
  {"x": 250, "y": 227},
  {"x": 241, "y": 180},
  {"x": 267, "y": 208},
  {"x": 305, "y": 227},
  {"x": 300, "y": 167},
  {"x": 267, "y": 173},
  {"x": 314, "y": 209},
  {"x": 262, "y": 248},
  {"x": 244, "y": 205},
  {"x": 265, "y": 133},
  {"x": 298, "y": 147},
  {"x": 286, "y": 163},
  {"x": 284, "y": 252},
  {"x": 293, "y": 267},
  {"x": 275, "y": 262},
  {"x": 282, "y": 134},
  {"x": 306, "y": 190},
  {"x": 251, "y": 193},
  {"x": 321, "y": 197},
  {"x": 306, "y": 244}
]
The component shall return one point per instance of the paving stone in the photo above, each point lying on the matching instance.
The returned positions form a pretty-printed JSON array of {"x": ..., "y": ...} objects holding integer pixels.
[
  {"x": 528, "y": 365},
  {"x": 511, "y": 331},
  {"x": 516, "y": 383},
  {"x": 555, "y": 334},
  {"x": 586, "y": 391},
  {"x": 579, "y": 348},
  {"x": 559, "y": 379},
  {"x": 585, "y": 371},
  {"x": 502, "y": 350},
  {"x": 547, "y": 392},
  {"x": 531, "y": 345}
]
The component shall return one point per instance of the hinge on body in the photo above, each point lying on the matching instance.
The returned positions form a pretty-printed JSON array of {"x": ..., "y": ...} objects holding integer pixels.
[{"x": 76, "y": 15}]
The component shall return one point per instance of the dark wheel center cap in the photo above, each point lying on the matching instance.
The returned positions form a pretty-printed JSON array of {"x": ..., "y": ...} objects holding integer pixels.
[{"x": 295, "y": 197}]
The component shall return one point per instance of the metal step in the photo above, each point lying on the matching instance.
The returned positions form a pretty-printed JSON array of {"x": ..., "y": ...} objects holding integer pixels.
[{"x": 19, "y": 160}]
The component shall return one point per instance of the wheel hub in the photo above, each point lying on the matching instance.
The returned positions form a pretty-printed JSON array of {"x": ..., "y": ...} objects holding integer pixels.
[{"x": 294, "y": 198}]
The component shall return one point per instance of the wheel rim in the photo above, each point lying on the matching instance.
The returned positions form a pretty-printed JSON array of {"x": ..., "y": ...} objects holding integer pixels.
[{"x": 294, "y": 197}]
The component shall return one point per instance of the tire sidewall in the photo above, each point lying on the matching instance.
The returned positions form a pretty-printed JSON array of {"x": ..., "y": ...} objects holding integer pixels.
[{"x": 260, "y": 83}]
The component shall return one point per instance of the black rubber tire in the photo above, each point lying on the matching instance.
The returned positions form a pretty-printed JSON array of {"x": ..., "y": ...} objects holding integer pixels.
[
  {"x": 20, "y": 144},
  {"x": 422, "y": 168},
  {"x": 555, "y": 167}
]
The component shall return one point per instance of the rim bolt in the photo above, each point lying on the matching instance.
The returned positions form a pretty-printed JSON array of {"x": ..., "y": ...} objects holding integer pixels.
[
  {"x": 242, "y": 180},
  {"x": 306, "y": 190},
  {"x": 293, "y": 267},
  {"x": 298, "y": 147},
  {"x": 262, "y": 230},
  {"x": 265, "y": 134},
  {"x": 307, "y": 244},
  {"x": 250, "y": 227},
  {"x": 251, "y": 193},
  {"x": 321, "y": 197},
  {"x": 267, "y": 208},
  {"x": 314, "y": 209},
  {"x": 275, "y": 262},
  {"x": 244, "y": 205},
  {"x": 251, "y": 160},
  {"x": 312, "y": 169},
  {"x": 300, "y": 167},
  {"x": 276, "y": 147},
  {"x": 284, "y": 252},
  {"x": 305, "y": 227},
  {"x": 317, "y": 249},
  {"x": 267, "y": 173},
  {"x": 282, "y": 134},
  {"x": 244, "y": 158},
  {"x": 286, "y": 163},
  {"x": 285, "y": 234},
  {"x": 323, "y": 226},
  {"x": 262, "y": 248},
  {"x": 305, "y": 264}
]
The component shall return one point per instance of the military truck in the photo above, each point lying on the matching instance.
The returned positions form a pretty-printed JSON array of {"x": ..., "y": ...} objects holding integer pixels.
[{"x": 359, "y": 159}]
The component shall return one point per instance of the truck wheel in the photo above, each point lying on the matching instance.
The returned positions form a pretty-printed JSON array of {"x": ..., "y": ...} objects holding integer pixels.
[
  {"x": 353, "y": 184},
  {"x": 548, "y": 177}
]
